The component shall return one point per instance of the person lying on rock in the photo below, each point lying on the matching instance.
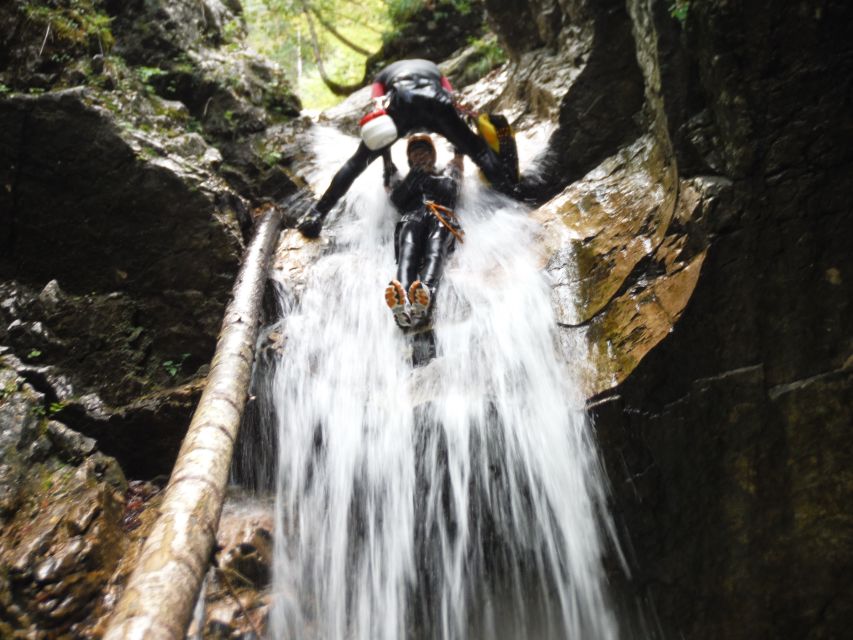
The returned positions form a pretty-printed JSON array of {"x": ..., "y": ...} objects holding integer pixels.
[
  {"x": 417, "y": 97},
  {"x": 427, "y": 230}
]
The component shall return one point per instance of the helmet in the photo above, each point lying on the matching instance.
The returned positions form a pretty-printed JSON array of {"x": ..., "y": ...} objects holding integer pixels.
[{"x": 422, "y": 141}]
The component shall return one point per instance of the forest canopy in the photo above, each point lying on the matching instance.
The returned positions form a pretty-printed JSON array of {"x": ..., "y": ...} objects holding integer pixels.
[{"x": 341, "y": 34}]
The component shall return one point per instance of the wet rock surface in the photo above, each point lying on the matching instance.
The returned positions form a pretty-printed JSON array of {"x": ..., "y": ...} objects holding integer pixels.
[
  {"x": 698, "y": 178},
  {"x": 712, "y": 294},
  {"x": 135, "y": 146},
  {"x": 124, "y": 211},
  {"x": 237, "y": 595},
  {"x": 724, "y": 443},
  {"x": 61, "y": 505}
]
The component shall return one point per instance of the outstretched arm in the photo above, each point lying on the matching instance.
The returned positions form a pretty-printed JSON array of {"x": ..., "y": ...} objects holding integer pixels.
[
  {"x": 390, "y": 174},
  {"x": 456, "y": 166}
]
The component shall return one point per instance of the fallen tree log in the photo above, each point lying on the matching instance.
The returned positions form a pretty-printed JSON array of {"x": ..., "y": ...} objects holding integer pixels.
[{"x": 161, "y": 592}]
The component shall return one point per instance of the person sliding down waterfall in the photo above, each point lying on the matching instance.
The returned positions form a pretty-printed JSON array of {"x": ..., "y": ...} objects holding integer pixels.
[
  {"x": 417, "y": 97},
  {"x": 427, "y": 230}
]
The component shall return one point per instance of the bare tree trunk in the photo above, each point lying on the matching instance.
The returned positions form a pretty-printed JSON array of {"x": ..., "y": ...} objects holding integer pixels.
[
  {"x": 336, "y": 88},
  {"x": 159, "y": 598},
  {"x": 328, "y": 26}
]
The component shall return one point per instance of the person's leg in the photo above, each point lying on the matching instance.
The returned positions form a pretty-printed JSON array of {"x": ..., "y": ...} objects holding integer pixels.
[
  {"x": 438, "y": 244},
  {"x": 408, "y": 238},
  {"x": 410, "y": 246}
]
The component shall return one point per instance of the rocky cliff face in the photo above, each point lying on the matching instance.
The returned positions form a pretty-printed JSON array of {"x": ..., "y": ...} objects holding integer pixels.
[
  {"x": 711, "y": 252},
  {"x": 694, "y": 195},
  {"x": 138, "y": 137}
]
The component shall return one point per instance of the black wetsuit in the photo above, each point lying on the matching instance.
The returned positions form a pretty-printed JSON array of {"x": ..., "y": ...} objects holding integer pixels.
[
  {"x": 421, "y": 241},
  {"x": 418, "y": 101}
]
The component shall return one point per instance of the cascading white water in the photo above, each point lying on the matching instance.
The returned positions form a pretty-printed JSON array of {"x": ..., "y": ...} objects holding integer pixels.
[{"x": 462, "y": 499}]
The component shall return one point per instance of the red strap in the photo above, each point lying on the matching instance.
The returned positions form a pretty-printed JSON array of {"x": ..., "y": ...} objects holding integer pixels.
[
  {"x": 370, "y": 116},
  {"x": 446, "y": 84},
  {"x": 377, "y": 90}
]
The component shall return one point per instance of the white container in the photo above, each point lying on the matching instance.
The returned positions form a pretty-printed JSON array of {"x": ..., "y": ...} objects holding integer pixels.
[{"x": 378, "y": 130}]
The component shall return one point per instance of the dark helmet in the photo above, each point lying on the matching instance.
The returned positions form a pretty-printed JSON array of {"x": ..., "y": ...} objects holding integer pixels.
[{"x": 422, "y": 141}]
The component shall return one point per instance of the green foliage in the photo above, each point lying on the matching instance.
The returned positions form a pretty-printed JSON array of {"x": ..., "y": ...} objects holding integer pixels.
[
  {"x": 33, "y": 354},
  {"x": 279, "y": 30},
  {"x": 148, "y": 153},
  {"x": 272, "y": 158},
  {"x": 401, "y": 11},
  {"x": 146, "y": 74},
  {"x": 232, "y": 30},
  {"x": 4, "y": 89},
  {"x": 173, "y": 367},
  {"x": 679, "y": 9},
  {"x": 73, "y": 21},
  {"x": 491, "y": 55},
  {"x": 9, "y": 390},
  {"x": 55, "y": 407}
]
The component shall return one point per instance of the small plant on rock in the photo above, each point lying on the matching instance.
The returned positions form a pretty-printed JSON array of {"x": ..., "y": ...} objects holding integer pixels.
[{"x": 173, "y": 367}]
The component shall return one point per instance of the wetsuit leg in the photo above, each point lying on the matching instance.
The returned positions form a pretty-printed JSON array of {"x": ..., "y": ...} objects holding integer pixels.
[
  {"x": 345, "y": 176},
  {"x": 438, "y": 244},
  {"x": 410, "y": 245}
]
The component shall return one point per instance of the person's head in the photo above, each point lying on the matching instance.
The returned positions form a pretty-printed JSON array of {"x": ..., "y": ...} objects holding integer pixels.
[{"x": 421, "y": 152}]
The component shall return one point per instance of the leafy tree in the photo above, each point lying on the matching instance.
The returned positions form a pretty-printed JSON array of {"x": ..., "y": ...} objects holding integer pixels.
[{"x": 326, "y": 38}]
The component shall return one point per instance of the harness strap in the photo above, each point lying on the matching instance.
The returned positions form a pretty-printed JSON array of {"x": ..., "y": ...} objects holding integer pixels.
[{"x": 434, "y": 208}]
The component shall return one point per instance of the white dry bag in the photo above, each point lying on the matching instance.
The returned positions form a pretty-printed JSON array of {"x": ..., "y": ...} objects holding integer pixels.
[{"x": 378, "y": 129}]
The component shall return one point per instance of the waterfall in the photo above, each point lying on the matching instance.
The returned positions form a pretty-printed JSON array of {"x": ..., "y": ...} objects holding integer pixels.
[{"x": 460, "y": 499}]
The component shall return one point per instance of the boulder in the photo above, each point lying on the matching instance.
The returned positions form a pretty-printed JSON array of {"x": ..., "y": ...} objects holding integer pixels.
[{"x": 61, "y": 506}]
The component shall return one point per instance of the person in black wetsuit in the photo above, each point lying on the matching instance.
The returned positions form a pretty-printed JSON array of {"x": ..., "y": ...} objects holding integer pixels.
[
  {"x": 418, "y": 99},
  {"x": 426, "y": 232}
]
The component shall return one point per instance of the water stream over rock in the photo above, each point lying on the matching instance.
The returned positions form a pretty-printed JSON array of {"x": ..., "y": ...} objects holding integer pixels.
[{"x": 460, "y": 499}]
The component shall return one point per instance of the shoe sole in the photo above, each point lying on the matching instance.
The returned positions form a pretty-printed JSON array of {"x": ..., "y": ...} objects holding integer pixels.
[
  {"x": 420, "y": 299},
  {"x": 395, "y": 298}
]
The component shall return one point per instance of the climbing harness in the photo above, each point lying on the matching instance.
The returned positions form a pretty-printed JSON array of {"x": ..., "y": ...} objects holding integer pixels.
[{"x": 435, "y": 208}]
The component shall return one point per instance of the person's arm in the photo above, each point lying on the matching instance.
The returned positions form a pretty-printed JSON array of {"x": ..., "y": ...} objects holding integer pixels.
[
  {"x": 390, "y": 174},
  {"x": 456, "y": 166},
  {"x": 408, "y": 188}
]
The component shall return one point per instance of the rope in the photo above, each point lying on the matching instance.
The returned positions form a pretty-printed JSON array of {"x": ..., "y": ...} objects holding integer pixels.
[
  {"x": 435, "y": 208},
  {"x": 224, "y": 574}
]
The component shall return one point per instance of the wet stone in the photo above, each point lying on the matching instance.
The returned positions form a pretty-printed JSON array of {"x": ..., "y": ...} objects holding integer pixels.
[{"x": 70, "y": 444}]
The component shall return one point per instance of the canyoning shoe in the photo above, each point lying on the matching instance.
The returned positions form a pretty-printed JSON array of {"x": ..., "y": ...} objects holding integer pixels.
[
  {"x": 311, "y": 223},
  {"x": 395, "y": 298},
  {"x": 419, "y": 298}
]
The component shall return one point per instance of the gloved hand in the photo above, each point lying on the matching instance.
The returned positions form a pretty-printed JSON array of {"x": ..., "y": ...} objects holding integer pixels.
[{"x": 311, "y": 223}]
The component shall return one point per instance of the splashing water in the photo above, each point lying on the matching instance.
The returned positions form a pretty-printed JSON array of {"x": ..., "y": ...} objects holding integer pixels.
[{"x": 462, "y": 499}]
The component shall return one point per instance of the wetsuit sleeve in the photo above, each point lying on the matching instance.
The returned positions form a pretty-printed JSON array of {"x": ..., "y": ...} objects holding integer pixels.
[
  {"x": 390, "y": 174},
  {"x": 408, "y": 189},
  {"x": 455, "y": 168},
  {"x": 444, "y": 190},
  {"x": 345, "y": 176}
]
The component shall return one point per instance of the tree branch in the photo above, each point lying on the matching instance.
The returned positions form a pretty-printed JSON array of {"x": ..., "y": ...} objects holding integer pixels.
[
  {"x": 334, "y": 87},
  {"x": 328, "y": 26}
]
